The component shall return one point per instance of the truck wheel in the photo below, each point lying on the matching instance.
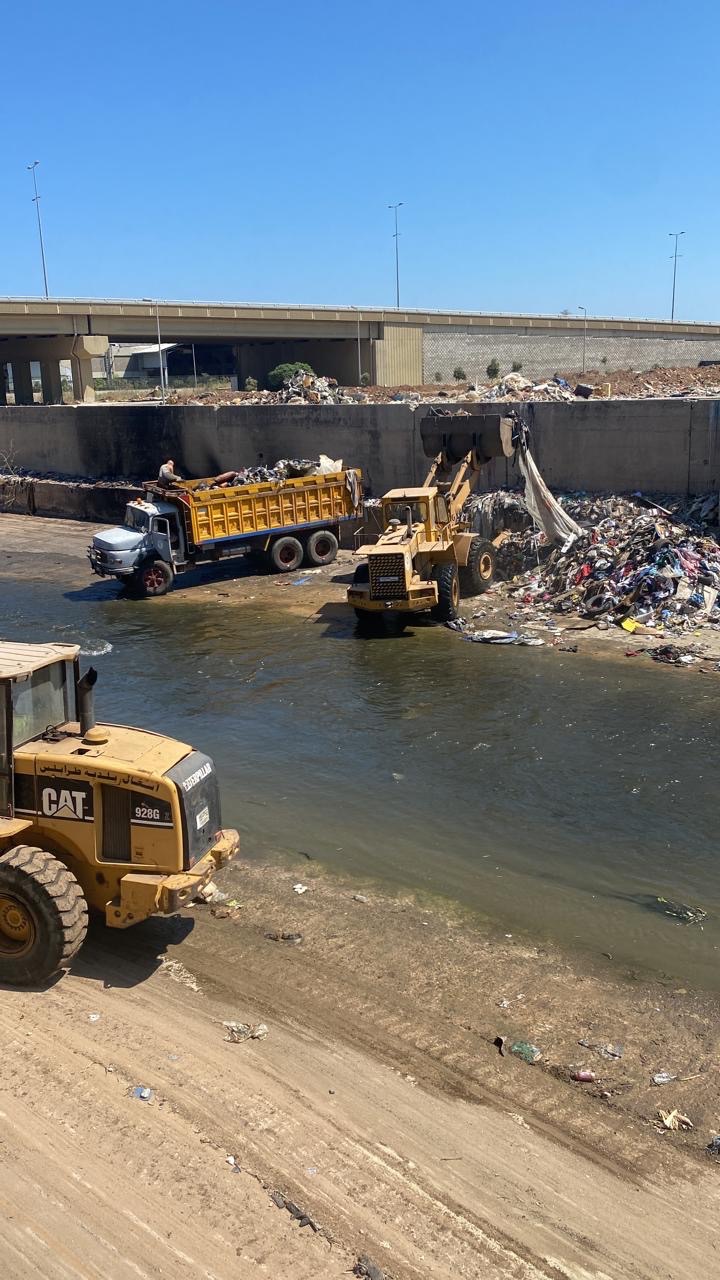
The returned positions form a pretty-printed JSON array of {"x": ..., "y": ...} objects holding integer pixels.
[
  {"x": 154, "y": 578},
  {"x": 321, "y": 547},
  {"x": 446, "y": 609},
  {"x": 286, "y": 555},
  {"x": 43, "y": 915},
  {"x": 479, "y": 572}
]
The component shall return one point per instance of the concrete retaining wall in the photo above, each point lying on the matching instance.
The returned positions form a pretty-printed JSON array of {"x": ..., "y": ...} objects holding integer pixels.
[{"x": 669, "y": 446}]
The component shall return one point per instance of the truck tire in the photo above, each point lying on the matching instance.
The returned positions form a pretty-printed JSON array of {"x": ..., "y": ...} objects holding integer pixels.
[
  {"x": 479, "y": 572},
  {"x": 43, "y": 916},
  {"x": 286, "y": 555},
  {"x": 154, "y": 578},
  {"x": 321, "y": 547},
  {"x": 446, "y": 577}
]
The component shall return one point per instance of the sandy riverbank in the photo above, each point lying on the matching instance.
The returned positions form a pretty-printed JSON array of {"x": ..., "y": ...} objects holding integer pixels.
[{"x": 378, "y": 1102}]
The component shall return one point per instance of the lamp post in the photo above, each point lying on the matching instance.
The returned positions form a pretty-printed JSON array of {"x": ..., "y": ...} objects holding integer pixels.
[
  {"x": 36, "y": 201},
  {"x": 359, "y": 350},
  {"x": 159, "y": 345},
  {"x": 194, "y": 366},
  {"x": 677, "y": 235},
  {"x": 584, "y": 311},
  {"x": 395, "y": 207}
]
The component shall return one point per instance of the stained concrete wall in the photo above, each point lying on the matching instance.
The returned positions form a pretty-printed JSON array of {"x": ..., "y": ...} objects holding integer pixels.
[{"x": 669, "y": 446}]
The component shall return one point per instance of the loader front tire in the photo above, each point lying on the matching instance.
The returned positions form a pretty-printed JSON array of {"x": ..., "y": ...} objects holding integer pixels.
[
  {"x": 479, "y": 572},
  {"x": 43, "y": 916},
  {"x": 446, "y": 577}
]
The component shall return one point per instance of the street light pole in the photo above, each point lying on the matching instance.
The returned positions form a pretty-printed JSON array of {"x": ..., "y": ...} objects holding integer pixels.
[
  {"x": 584, "y": 311},
  {"x": 194, "y": 366},
  {"x": 676, "y": 234},
  {"x": 397, "y": 254},
  {"x": 359, "y": 353},
  {"x": 159, "y": 345},
  {"x": 36, "y": 201}
]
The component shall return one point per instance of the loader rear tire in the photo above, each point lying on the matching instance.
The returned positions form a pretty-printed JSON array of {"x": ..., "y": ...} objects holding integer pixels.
[
  {"x": 446, "y": 609},
  {"x": 479, "y": 572},
  {"x": 321, "y": 547},
  {"x": 43, "y": 916},
  {"x": 286, "y": 555}
]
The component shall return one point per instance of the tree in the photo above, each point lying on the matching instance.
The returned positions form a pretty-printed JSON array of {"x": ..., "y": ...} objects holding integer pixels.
[
  {"x": 516, "y": 366},
  {"x": 493, "y": 369},
  {"x": 251, "y": 384},
  {"x": 365, "y": 380},
  {"x": 459, "y": 373},
  {"x": 282, "y": 373},
  {"x": 438, "y": 377}
]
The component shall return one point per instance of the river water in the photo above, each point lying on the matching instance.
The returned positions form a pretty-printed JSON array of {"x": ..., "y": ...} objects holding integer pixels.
[{"x": 553, "y": 793}]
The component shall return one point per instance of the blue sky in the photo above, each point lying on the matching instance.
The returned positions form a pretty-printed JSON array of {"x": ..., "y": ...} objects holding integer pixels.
[{"x": 236, "y": 151}]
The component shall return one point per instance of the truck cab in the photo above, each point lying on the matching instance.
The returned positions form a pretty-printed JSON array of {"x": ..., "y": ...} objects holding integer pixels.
[{"x": 152, "y": 534}]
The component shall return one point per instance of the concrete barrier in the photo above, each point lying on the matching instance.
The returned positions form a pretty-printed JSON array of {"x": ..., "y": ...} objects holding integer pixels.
[{"x": 668, "y": 446}]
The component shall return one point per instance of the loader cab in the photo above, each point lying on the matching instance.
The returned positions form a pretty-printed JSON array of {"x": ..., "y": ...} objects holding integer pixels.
[
  {"x": 404, "y": 508},
  {"x": 37, "y": 695}
]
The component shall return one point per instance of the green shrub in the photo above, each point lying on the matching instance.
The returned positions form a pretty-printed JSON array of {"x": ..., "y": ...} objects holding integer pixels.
[
  {"x": 283, "y": 372},
  {"x": 493, "y": 369},
  {"x": 516, "y": 366},
  {"x": 365, "y": 380},
  {"x": 251, "y": 384},
  {"x": 438, "y": 377},
  {"x": 459, "y": 373}
]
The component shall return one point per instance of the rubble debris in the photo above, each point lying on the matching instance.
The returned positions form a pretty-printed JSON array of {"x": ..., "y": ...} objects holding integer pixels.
[
  {"x": 210, "y": 894},
  {"x": 674, "y": 1120},
  {"x": 237, "y": 1032},
  {"x": 366, "y": 1267},
  {"x": 276, "y": 936},
  {"x": 610, "y": 1051},
  {"x": 680, "y": 910},
  {"x": 527, "y": 1051},
  {"x": 663, "y": 1077},
  {"x": 141, "y": 1092},
  {"x": 283, "y": 1202},
  {"x": 584, "y": 1077},
  {"x": 713, "y": 1146}
]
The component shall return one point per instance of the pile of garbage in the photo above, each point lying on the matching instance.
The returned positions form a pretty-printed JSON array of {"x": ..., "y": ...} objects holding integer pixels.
[
  {"x": 284, "y": 469},
  {"x": 633, "y": 563},
  {"x": 309, "y": 388}
]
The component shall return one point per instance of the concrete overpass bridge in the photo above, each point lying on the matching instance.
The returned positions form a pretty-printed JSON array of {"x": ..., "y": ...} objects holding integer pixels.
[{"x": 393, "y": 347}]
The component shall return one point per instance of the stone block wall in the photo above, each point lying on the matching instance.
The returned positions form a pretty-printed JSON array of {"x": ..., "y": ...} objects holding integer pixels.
[{"x": 544, "y": 352}]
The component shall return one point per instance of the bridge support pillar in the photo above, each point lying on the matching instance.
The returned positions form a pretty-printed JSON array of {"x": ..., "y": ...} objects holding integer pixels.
[
  {"x": 51, "y": 382},
  {"x": 22, "y": 382}
]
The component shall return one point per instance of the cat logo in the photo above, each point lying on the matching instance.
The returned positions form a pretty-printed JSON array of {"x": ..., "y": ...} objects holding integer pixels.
[{"x": 69, "y": 802}]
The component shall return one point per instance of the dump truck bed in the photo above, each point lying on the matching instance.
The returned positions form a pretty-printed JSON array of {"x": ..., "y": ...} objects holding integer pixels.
[{"x": 239, "y": 511}]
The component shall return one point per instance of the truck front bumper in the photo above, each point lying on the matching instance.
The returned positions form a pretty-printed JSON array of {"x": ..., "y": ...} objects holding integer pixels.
[
  {"x": 419, "y": 599},
  {"x": 143, "y": 895},
  {"x": 101, "y": 565}
]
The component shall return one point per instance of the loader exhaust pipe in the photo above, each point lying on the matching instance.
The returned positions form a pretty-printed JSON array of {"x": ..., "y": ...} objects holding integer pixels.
[{"x": 86, "y": 700}]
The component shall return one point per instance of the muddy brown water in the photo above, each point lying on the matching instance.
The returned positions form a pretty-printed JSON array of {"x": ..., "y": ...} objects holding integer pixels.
[{"x": 552, "y": 794}]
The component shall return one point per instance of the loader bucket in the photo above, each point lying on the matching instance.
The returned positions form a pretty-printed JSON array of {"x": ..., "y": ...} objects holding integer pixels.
[{"x": 488, "y": 434}]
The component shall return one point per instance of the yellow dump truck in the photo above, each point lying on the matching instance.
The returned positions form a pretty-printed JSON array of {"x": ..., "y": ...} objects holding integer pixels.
[{"x": 287, "y": 522}]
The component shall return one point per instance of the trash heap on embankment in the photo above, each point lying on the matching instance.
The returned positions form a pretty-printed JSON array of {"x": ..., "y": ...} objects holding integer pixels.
[{"x": 650, "y": 568}]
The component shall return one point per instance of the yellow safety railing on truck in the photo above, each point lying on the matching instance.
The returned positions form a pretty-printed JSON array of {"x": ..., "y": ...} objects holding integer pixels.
[{"x": 234, "y": 511}]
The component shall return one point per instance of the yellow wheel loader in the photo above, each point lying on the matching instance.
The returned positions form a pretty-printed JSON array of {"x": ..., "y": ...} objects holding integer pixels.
[
  {"x": 427, "y": 555},
  {"x": 93, "y": 816}
]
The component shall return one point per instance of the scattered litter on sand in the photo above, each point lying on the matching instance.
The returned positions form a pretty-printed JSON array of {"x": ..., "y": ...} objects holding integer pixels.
[
  {"x": 674, "y": 1120},
  {"x": 663, "y": 1077},
  {"x": 366, "y": 1267},
  {"x": 301, "y": 888},
  {"x": 276, "y": 936},
  {"x": 283, "y": 1202},
  {"x": 527, "y": 1051},
  {"x": 210, "y": 894},
  {"x": 141, "y": 1092},
  {"x": 176, "y": 970},
  {"x": 610, "y": 1051},
  {"x": 237, "y": 1032}
]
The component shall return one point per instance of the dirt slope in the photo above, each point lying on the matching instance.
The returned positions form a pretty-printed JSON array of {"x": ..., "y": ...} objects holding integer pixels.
[{"x": 95, "y": 1183}]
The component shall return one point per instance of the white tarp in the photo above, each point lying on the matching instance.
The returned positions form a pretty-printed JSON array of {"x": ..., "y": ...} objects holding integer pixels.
[{"x": 547, "y": 513}]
